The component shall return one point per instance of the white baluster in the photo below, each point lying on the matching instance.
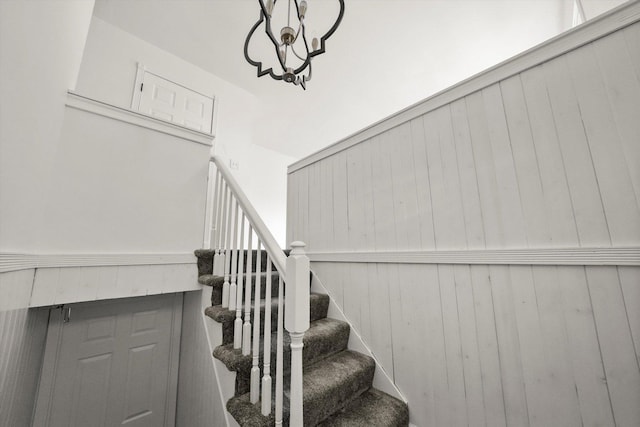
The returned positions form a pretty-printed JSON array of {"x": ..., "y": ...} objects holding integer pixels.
[
  {"x": 216, "y": 214},
  {"x": 227, "y": 253},
  {"x": 266, "y": 370},
  {"x": 234, "y": 259},
  {"x": 279, "y": 355},
  {"x": 297, "y": 322},
  {"x": 246, "y": 327},
  {"x": 237, "y": 325},
  {"x": 255, "y": 369},
  {"x": 212, "y": 187},
  {"x": 223, "y": 229}
]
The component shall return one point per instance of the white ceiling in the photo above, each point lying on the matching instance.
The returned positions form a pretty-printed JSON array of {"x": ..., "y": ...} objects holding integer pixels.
[{"x": 386, "y": 55}]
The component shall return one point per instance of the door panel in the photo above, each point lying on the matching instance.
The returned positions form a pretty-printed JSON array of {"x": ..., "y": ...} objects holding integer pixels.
[
  {"x": 175, "y": 103},
  {"x": 114, "y": 363}
]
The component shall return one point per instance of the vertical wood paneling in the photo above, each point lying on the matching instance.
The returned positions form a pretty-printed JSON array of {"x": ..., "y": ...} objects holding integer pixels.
[
  {"x": 381, "y": 343},
  {"x": 405, "y": 203},
  {"x": 340, "y": 207},
  {"x": 456, "y": 398},
  {"x": 590, "y": 383},
  {"x": 555, "y": 190},
  {"x": 315, "y": 225},
  {"x": 355, "y": 197},
  {"x": 585, "y": 192},
  {"x": 529, "y": 335},
  {"x": 514, "y": 232},
  {"x": 562, "y": 405},
  {"x": 326, "y": 204},
  {"x": 435, "y": 358},
  {"x": 410, "y": 319},
  {"x": 422, "y": 185},
  {"x": 488, "y": 353},
  {"x": 616, "y": 345},
  {"x": 632, "y": 39},
  {"x": 22, "y": 339},
  {"x": 453, "y": 213},
  {"x": 630, "y": 284},
  {"x": 199, "y": 401},
  {"x": 513, "y": 386},
  {"x": 616, "y": 191},
  {"x": 546, "y": 158},
  {"x": 487, "y": 184},
  {"x": 468, "y": 179},
  {"x": 622, "y": 86},
  {"x": 383, "y": 197},
  {"x": 525, "y": 162},
  {"x": 469, "y": 344}
]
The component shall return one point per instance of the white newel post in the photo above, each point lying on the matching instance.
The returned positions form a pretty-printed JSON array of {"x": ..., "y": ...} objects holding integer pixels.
[{"x": 296, "y": 322}]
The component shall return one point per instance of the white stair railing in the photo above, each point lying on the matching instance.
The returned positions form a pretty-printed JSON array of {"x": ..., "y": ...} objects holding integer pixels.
[{"x": 231, "y": 214}]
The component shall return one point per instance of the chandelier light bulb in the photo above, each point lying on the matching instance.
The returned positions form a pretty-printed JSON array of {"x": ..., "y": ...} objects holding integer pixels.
[{"x": 302, "y": 9}]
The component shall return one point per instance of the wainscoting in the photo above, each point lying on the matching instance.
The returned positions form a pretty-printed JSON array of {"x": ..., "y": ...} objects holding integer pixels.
[
  {"x": 22, "y": 340},
  {"x": 486, "y": 242}
]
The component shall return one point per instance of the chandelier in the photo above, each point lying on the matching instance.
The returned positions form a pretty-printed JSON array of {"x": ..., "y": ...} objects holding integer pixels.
[{"x": 293, "y": 53}]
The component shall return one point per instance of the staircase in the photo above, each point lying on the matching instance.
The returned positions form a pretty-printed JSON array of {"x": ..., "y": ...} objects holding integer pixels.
[{"x": 337, "y": 382}]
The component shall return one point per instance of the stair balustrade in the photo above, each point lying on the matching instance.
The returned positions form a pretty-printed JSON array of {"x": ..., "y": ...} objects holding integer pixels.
[{"x": 231, "y": 215}]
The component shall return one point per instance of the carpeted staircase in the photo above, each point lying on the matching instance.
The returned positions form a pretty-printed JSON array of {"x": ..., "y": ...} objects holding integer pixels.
[{"x": 337, "y": 381}]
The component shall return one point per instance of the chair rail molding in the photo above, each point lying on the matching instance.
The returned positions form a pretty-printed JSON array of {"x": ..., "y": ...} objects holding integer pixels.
[
  {"x": 83, "y": 103},
  {"x": 23, "y": 261},
  {"x": 620, "y": 256}
]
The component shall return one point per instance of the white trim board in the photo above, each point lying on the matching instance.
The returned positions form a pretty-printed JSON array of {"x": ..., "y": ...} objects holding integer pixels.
[
  {"x": 83, "y": 103},
  {"x": 17, "y": 261},
  {"x": 624, "y": 256},
  {"x": 616, "y": 19}
]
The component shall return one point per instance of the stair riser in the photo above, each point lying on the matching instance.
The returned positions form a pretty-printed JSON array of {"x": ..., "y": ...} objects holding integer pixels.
[
  {"x": 216, "y": 294},
  {"x": 205, "y": 261},
  {"x": 318, "y": 310}
]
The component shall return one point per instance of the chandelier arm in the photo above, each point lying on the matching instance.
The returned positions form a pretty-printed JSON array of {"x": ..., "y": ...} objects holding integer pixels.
[
  {"x": 330, "y": 32},
  {"x": 258, "y": 64},
  {"x": 296, "y": 54}
]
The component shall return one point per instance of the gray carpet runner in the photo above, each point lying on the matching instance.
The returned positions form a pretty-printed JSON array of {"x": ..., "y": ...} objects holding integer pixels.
[{"x": 337, "y": 382}]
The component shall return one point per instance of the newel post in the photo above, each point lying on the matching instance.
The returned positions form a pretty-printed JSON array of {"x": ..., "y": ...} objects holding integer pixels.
[{"x": 296, "y": 321}]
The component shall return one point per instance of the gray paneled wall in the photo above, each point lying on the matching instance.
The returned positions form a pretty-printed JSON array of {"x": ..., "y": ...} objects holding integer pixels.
[{"x": 547, "y": 158}]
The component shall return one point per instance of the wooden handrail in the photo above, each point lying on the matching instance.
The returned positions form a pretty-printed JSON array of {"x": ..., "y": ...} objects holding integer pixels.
[{"x": 273, "y": 248}]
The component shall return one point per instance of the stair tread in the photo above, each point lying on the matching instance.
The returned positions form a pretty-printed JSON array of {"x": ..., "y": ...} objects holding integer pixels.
[
  {"x": 371, "y": 408},
  {"x": 329, "y": 385}
]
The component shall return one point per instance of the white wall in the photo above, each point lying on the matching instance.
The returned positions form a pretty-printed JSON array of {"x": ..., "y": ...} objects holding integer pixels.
[
  {"x": 539, "y": 158},
  {"x": 120, "y": 188},
  {"x": 593, "y": 8},
  {"x": 108, "y": 74},
  {"x": 41, "y": 46}
]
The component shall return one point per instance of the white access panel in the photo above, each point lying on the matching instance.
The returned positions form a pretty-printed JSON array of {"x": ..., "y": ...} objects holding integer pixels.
[{"x": 174, "y": 103}]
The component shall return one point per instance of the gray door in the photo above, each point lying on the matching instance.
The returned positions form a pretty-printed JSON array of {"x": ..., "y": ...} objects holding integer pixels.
[{"x": 113, "y": 363}]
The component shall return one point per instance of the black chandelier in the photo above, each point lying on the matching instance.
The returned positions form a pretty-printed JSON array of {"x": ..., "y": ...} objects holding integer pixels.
[{"x": 292, "y": 49}]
